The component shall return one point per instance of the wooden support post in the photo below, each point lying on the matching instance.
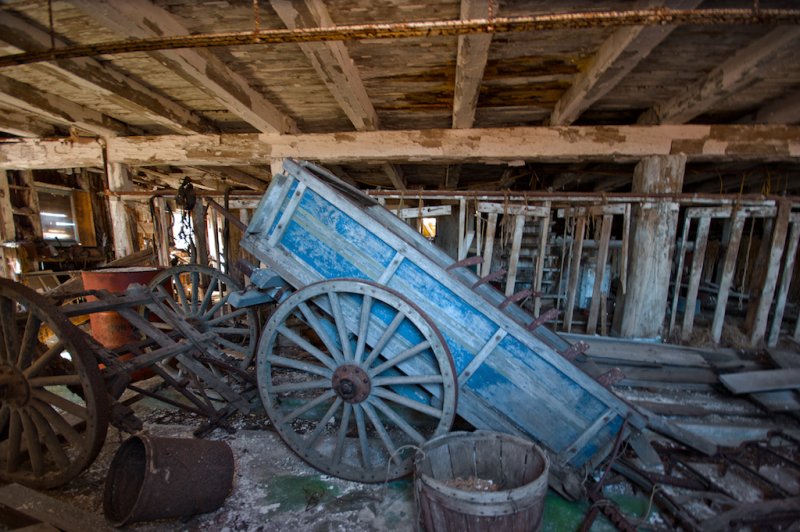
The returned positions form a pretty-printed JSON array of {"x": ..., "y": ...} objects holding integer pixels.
[
  {"x": 599, "y": 274},
  {"x": 513, "y": 260},
  {"x": 215, "y": 228},
  {"x": 462, "y": 228},
  {"x": 544, "y": 227},
  {"x": 488, "y": 248},
  {"x": 728, "y": 269},
  {"x": 626, "y": 234},
  {"x": 7, "y": 228},
  {"x": 698, "y": 258},
  {"x": 786, "y": 280},
  {"x": 574, "y": 271},
  {"x": 119, "y": 181},
  {"x": 163, "y": 232},
  {"x": 652, "y": 243},
  {"x": 200, "y": 232},
  {"x": 764, "y": 300}
]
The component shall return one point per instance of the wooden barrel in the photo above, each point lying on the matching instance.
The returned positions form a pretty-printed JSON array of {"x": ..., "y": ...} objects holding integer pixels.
[{"x": 481, "y": 481}]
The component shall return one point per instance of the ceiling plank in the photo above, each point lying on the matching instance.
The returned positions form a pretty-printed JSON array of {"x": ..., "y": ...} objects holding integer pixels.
[
  {"x": 331, "y": 60},
  {"x": 473, "y": 52},
  {"x": 701, "y": 143},
  {"x": 100, "y": 78},
  {"x": 56, "y": 109},
  {"x": 23, "y": 125},
  {"x": 745, "y": 67},
  {"x": 784, "y": 110},
  {"x": 616, "y": 57},
  {"x": 142, "y": 19},
  {"x": 235, "y": 175}
]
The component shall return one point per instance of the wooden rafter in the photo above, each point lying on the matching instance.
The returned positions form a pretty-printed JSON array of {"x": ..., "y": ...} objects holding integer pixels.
[
  {"x": 142, "y": 19},
  {"x": 54, "y": 108},
  {"x": 100, "y": 78},
  {"x": 700, "y": 143},
  {"x": 23, "y": 125},
  {"x": 743, "y": 68},
  {"x": 615, "y": 58},
  {"x": 473, "y": 51},
  {"x": 785, "y": 110},
  {"x": 235, "y": 175}
]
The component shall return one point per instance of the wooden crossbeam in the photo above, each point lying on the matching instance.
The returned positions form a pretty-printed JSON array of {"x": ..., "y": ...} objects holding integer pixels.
[
  {"x": 700, "y": 143},
  {"x": 143, "y": 19},
  {"x": 100, "y": 78}
]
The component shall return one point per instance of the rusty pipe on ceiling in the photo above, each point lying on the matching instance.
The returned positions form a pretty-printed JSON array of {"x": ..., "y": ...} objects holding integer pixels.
[{"x": 439, "y": 28}]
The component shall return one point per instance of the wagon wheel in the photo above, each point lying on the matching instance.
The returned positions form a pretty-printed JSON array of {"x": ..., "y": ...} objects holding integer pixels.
[
  {"x": 352, "y": 374},
  {"x": 200, "y": 294},
  {"x": 53, "y": 406}
]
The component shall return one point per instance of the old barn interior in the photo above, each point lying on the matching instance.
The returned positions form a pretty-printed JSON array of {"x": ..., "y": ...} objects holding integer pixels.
[{"x": 574, "y": 222}]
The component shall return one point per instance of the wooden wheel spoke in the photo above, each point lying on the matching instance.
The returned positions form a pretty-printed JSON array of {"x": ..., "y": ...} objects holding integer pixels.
[
  {"x": 363, "y": 441},
  {"x": 14, "y": 442},
  {"x": 50, "y": 439},
  {"x": 29, "y": 340},
  {"x": 230, "y": 345},
  {"x": 409, "y": 403},
  {"x": 376, "y": 422},
  {"x": 315, "y": 434},
  {"x": 212, "y": 286},
  {"x": 181, "y": 292},
  {"x": 61, "y": 425},
  {"x": 55, "y": 380},
  {"x": 342, "y": 433},
  {"x": 363, "y": 327},
  {"x": 299, "y": 411},
  {"x": 397, "y": 420},
  {"x": 10, "y": 332},
  {"x": 61, "y": 403},
  {"x": 195, "y": 279},
  {"x": 233, "y": 331},
  {"x": 229, "y": 316},
  {"x": 407, "y": 379},
  {"x": 400, "y": 358},
  {"x": 32, "y": 444},
  {"x": 169, "y": 299},
  {"x": 305, "y": 345},
  {"x": 218, "y": 305},
  {"x": 40, "y": 363},
  {"x": 338, "y": 318},
  {"x": 319, "y": 328},
  {"x": 301, "y": 386},
  {"x": 384, "y": 339}
]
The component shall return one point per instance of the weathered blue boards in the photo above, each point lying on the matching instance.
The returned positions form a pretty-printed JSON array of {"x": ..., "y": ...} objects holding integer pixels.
[{"x": 310, "y": 227}]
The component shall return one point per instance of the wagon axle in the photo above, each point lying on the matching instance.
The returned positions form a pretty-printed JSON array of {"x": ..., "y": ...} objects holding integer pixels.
[{"x": 351, "y": 383}]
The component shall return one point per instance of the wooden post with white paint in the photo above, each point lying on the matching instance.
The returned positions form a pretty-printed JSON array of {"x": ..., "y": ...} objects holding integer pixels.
[
  {"x": 574, "y": 271},
  {"x": 119, "y": 181},
  {"x": 786, "y": 280},
  {"x": 599, "y": 274},
  {"x": 728, "y": 269},
  {"x": 698, "y": 258}
]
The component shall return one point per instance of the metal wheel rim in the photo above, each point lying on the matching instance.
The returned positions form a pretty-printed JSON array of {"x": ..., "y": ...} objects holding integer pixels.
[
  {"x": 353, "y": 446},
  {"x": 48, "y": 434},
  {"x": 197, "y": 305}
]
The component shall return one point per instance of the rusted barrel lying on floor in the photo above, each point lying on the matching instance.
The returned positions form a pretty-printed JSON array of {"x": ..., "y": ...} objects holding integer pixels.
[
  {"x": 156, "y": 478},
  {"x": 481, "y": 481}
]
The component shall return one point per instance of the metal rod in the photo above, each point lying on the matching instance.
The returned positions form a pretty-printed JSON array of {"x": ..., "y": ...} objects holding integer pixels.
[
  {"x": 439, "y": 28},
  {"x": 227, "y": 214}
]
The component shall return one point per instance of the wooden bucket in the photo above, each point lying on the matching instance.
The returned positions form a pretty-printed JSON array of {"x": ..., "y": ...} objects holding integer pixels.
[{"x": 480, "y": 481}]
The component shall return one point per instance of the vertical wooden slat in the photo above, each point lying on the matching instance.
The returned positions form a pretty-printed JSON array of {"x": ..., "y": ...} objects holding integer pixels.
[
  {"x": 163, "y": 232},
  {"x": 33, "y": 201},
  {"x": 786, "y": 280},
  {"x": 200, "y": 233},
  {"x": 215, "y": 228},
  {"x": 694, "y": 277},
  {"x": 537, "y": 285},
  {"x": 626, "y": 232},
  {"x": 462, "y": 228},
  {"x": 777, "y": 242},
  {"x": 513, "y": 261},
  {"x": 728, "y": 269},
  {"x": 687, "y": 221},
  {"x": 7, "y": 229},
  {"x": 491, "y": 228},
  {"x": 574, "y": 271},
  {"x": 600, "y": 270}
]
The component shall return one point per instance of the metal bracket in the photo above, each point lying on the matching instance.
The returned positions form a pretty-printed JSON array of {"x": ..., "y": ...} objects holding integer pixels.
[
  {"x": 574, "y": 350},
  {"x": 551, "y": 314}
]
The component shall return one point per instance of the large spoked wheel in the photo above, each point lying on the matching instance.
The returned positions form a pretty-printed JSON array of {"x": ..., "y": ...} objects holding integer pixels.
[
  {"x": 353, "y": 376},
  {"x": 54, "y": 411},
  {"x": 200, "y": 295}
]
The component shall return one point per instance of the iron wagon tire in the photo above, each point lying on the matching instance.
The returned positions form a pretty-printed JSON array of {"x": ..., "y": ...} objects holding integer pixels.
[
  {"x": 54, "y": 406},
  {"x": 355, "y": 377}
]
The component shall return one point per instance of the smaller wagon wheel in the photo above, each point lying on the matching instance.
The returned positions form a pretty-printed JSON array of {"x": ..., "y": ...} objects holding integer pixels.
[
  {"x": 200, "y": 294},
  {"x": 354, "y": 376},
  {"x": 53, "y": 405}
]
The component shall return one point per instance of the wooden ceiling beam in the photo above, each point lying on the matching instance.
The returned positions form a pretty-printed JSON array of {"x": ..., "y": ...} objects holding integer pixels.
[
  {"x": 785, "y": 110},
  {"x": 24, "y": 125},
  {"x": 701, "y": 143},
  {"x": 473, "y": 52},
  {"x": 53, "y": 108},
  {"x": 614, "y": 60},
  {"x": 235, "y": 175},
  {"x": 143, "y": 19},
  {"x": 745, "y": 67},
  {"x": 100, "y": 78}
]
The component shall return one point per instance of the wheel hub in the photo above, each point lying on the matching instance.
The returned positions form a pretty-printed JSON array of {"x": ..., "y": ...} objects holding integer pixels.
[
  {"x": 198, "y": 323},
  {"x": 14, "y": 387},
  {"x": 351, "y": 383}
]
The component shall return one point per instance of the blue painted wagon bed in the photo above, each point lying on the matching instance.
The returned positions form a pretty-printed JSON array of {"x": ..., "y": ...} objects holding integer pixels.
[{"x": 384, "y": 335}]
